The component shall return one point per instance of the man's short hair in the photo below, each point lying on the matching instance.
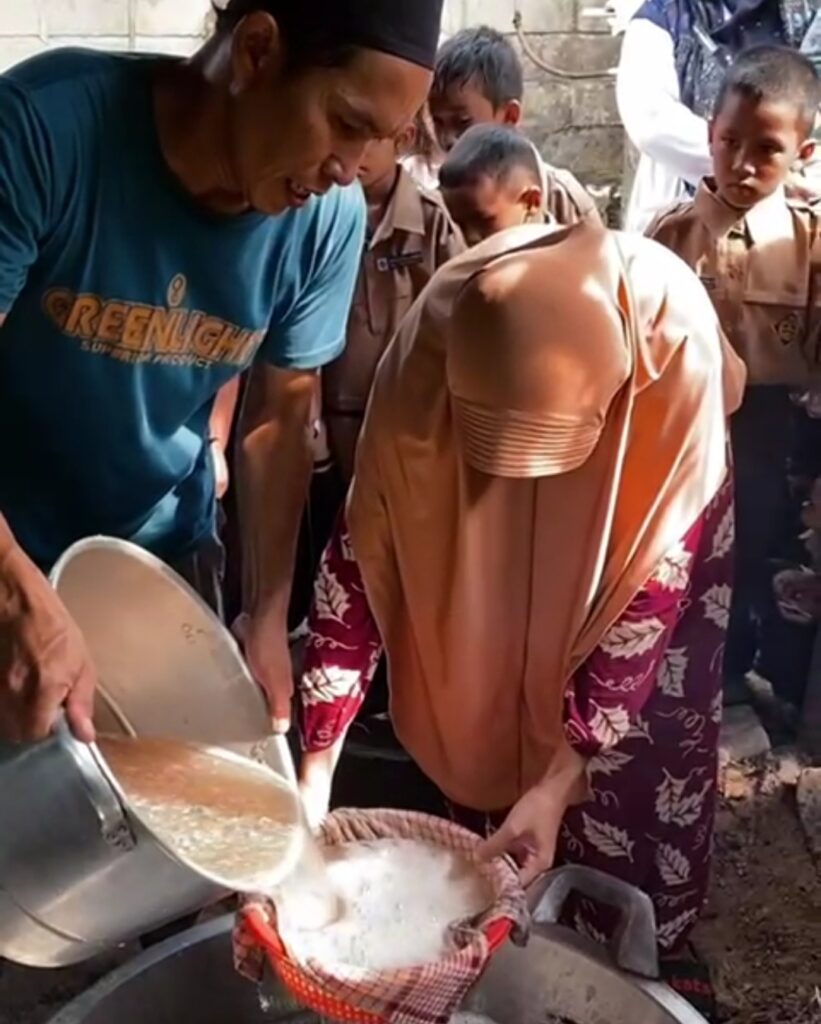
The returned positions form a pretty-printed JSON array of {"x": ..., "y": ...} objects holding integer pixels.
[
  {"x": 489, "y": 151},
  {"x": 482, "y": 57},
  {"x": 774, "y": 74}
]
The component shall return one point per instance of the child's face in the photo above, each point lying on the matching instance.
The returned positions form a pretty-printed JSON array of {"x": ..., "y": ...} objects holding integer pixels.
[
  {"x": 754, "y": 147},
  {"x": 463, "y": 106},
  {"x": 378, "y": 161},
  {"x": 486, "y": 206}
]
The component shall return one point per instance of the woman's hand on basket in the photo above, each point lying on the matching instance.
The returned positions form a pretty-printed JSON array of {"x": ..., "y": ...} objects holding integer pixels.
[{"x": 531, "y": 831}]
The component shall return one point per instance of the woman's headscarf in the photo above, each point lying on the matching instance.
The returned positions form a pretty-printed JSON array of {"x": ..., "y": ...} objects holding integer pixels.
[{"x": 548, "y": 423}]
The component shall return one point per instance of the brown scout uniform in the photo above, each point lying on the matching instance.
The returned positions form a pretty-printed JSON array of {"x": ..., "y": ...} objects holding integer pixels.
[
  {"x": 415, "y": 238},
  {"x": 763, "y": 273},
  {"x": 566, "y": 199}
]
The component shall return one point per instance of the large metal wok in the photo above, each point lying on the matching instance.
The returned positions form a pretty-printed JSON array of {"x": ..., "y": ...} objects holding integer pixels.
[{"x": 190, "y": 980}]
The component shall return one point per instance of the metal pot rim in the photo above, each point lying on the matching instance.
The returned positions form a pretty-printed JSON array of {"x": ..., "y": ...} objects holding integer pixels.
[
  {"x": 90, "y": 1000},
  {"x": 126, "y": 547},
  {"x": 296, "y": 844}
]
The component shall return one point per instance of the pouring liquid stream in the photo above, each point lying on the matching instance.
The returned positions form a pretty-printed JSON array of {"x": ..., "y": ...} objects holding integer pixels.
[
  {"x": 385, "y": 904},
  {"x": 225, "y": 816}
]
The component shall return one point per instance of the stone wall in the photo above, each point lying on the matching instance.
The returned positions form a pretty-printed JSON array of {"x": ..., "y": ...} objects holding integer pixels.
[
  {"x": 31, "y": 26},
  {"x": 574, "y": 122}
]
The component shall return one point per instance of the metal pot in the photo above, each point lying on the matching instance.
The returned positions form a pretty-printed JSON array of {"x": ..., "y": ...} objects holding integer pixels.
[
  {"x": 562, "y": 974},
  {"x": 558, "y": 973},
  {"x": 78, "y": 873}
]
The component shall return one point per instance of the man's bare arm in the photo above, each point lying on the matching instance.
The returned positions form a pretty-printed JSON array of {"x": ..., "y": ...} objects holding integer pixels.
[
  {"x": 222, "y": 416},
  {"x": 219, "y": 433},
  {"x": 275, "y": 464}
]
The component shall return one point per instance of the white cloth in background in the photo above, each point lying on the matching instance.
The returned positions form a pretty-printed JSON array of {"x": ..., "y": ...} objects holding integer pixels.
[
  {"x": 620, "y": 12},
  {"x": 672, "y": 140},
  {"x": 423, "y": 173}
]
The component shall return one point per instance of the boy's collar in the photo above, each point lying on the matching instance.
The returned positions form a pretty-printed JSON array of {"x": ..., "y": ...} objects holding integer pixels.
[
  {"x": 404, "y": 211},
  {"x": 765, "y": 222}
]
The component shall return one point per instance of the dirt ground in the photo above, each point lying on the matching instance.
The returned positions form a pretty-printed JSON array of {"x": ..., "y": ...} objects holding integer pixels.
[{"x": 762, "y": 932}]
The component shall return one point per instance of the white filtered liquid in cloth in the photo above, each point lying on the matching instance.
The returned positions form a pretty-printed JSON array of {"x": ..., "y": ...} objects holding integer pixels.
[
  {"x": 230, "y": 819},
  {"x": 398, "y": 899},
  {"x": 476, "y": 1018}
]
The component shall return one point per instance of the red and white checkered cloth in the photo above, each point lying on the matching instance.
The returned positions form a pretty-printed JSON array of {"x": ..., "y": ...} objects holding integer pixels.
[{"x": 429, "y": 994}]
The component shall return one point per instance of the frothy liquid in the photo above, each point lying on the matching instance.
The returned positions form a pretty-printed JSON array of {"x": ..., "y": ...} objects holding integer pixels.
[
  {"x": 231, "y": 820},
  {"x": 371, "y": 906},
  {"x": 398, "y": 901}
]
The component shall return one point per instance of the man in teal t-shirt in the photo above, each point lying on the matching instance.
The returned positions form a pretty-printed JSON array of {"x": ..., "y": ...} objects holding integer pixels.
[
  {"x": 165, "y": 225},
  {"x": 120, "y": 332}
]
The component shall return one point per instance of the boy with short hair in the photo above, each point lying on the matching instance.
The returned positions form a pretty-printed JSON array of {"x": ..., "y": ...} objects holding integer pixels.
[
  {"x": 491, "y": 181},
  {"x": 409, "y": 236},
  {"x": 755, "y": 250},
  {"x": 478, "y": 79}
]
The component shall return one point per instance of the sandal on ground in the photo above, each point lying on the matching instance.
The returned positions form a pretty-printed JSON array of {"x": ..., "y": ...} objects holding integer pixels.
[{"x": 690, "y": 978}]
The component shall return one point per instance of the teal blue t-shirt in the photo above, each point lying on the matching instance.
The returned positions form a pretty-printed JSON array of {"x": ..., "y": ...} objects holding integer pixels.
[{"x": 129, "y": 306}]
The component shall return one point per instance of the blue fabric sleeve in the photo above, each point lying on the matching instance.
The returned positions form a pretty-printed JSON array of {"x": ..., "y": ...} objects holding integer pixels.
[
  {"x": 655, "y": 11},
  {"x": 313, "y": 332},
  {"x": 26, "y": 169}
]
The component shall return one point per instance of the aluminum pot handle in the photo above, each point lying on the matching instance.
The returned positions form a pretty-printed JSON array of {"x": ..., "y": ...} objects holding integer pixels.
[
  {"x": 633, "y": 946},
  {"x": 114, "y": 827}
]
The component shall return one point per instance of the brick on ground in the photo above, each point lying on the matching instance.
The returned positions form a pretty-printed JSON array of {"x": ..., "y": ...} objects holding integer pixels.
[{"x": 743, "y": 737}]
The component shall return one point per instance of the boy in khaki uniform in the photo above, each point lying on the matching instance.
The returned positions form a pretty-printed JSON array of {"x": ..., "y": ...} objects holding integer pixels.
[
  {"x": 758, "y": 255},
  {"x": 491, "y": 181},
  {"x": 409, "y": 236},
  {"x": 478, "y": 79}
]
